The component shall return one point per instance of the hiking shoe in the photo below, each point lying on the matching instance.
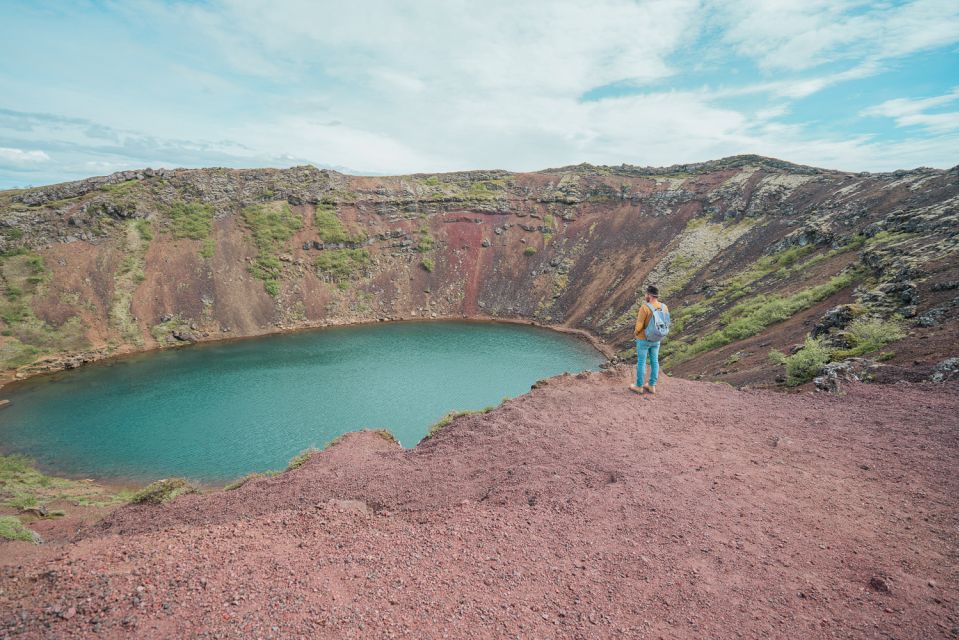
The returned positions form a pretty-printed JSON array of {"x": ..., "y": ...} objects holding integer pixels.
[
  {"x": 636, "y": 389},
  {"x": 650, "y": 389}
]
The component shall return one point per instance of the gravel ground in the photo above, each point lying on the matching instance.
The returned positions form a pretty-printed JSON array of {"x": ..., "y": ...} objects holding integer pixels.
[{"x": 580, "y": 510}]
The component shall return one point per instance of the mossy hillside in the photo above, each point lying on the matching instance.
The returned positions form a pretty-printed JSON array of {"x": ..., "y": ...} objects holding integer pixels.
[
  {"x": 194, "y": 221},
  {"x": 765, "y": 271},
  {"x": 864, "y": 335},
  {"x": 272, "y": 225},
  {"x": 691, "y": 251},
  {"x": 342, "y": 265},
  {"x": 162, "y": 331},
  {"x": 754, "y": 315},
  {"x": 331, "y": 229},
  {"x": 128, "y": 276},
  {"x": 23, "y": 276}
]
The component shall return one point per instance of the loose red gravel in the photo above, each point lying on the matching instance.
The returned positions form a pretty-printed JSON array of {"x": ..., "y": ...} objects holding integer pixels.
[{"x": 580, "y": 510}]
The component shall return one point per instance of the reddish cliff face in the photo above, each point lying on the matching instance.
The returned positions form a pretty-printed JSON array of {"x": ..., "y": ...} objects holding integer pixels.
[{"x": 750, "y": 252}]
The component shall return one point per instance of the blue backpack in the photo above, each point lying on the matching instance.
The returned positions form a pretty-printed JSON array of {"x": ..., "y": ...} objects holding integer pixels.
[{"x": 658, "y": 326}]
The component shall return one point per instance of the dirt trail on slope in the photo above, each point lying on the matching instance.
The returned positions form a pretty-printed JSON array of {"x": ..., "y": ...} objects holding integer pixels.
[{"x": 577, "y": 511}]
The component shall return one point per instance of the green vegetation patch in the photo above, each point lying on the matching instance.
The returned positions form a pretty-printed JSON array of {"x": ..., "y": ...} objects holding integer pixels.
[
  {"x": 425, "y": 241},
  {"x": 529, "y": 251},
  {"x": 428, "y": 264},
  {"x": 130, "y": 273},
  {"x": 446, "y": 420},
  {"x": 868, "y": 335},
  {"x": 272, "y": 225},
  {"x": 864, "y": 335},
  {"x": 23, "y": 275},
  {"x": 752, "y": 316},
  {"x": 331, "y": 229},
  {"x": 144, "y": 228},
  {"x": 193, "y": 220},
  {"x": 239, "y": 482},
  {"x": 12, "y": 529},
  {"x": 23, "y": 487},
  {"x": 163, "y": 491},
  {"x": 303, "y": 457},
  {"x": 340, "y": 265},
  {"x": 120, "y": 187},
  {"x": 805, "y": 364}
]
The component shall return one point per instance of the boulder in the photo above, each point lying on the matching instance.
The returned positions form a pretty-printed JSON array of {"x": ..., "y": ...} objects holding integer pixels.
[
  {"x": 836, "y": 318},
  {"x": 948, "y": 369},
  {"x": 849, "y": 370}
]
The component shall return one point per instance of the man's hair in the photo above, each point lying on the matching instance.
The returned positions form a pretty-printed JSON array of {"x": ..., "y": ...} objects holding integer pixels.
[{"x": 652, "y": 290}]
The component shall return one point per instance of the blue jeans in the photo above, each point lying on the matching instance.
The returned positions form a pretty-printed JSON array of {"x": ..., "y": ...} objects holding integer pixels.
[{"x": 646, "y": 349}]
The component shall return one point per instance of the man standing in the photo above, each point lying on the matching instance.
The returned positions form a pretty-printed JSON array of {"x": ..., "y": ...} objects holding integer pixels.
[{"x": 652, "y": 325}]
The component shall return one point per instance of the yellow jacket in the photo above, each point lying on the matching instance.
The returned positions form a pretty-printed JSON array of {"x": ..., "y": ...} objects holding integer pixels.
[{"x": 642, "y": 320}]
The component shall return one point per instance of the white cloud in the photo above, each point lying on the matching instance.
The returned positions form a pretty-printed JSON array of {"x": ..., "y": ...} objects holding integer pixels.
[
  {"x": 908, "y": 112},
  {"x": 801, "y": 34},
  {"x": 440, "y": 85},
  {"x": 19, "y": 156}
]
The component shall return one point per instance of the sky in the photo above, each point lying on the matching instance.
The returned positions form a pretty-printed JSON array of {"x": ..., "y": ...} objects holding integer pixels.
[{"x": 397, "y": 86}]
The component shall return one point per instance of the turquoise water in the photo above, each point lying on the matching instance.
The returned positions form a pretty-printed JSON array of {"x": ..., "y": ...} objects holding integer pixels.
[{"x": 218, "y": 411}]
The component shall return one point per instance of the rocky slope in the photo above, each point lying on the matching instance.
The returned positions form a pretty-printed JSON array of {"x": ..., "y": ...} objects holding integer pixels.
[
  {"x": 579, "y": 510},
  {"x": 754, "y": 255}
]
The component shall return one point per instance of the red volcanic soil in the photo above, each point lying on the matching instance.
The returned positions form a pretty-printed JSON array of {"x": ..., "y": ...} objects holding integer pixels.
[{"x": 579, "y": 510}]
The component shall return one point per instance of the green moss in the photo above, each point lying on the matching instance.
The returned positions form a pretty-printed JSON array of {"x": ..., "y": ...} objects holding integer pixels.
[
  {"x": 163, "y": 491},
  {"x": 425, "y": 242},
  {"x": 868, "y": 335},
  {"x": 755, "y": 314},
  {"x": 22, "y": 486},
  {"x": 120, "y": 187},
  {"x": 239, "y": 482},
  {"x": 145, "y": 229},
  {"x": 480, "y": 191},
  {"x": 22, "y": 277},
  {"x": 130, "y": 273},
  {"x": 446, "y": 420},
  {"x": 272, "y": 225},
  {"x": 12, "y": 529},
  {"x": 302, "y": 458},
  {"x": 805, "y": 364},
  {"x": 14, "y": 353},
  {"x": 331, "y": 230},
  {"x": 193, "y": 220},
  {"x": 341, "y": 265},
  {"x": 208, "y": 248},
  {"x": 887, "y": 238},
  {"x": 386, "y": 435}
]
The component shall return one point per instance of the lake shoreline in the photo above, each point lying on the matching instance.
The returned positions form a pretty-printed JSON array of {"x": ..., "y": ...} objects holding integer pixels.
[
  {"x": 503, "y": 353},
  {"x": 60, "y": 364}
]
